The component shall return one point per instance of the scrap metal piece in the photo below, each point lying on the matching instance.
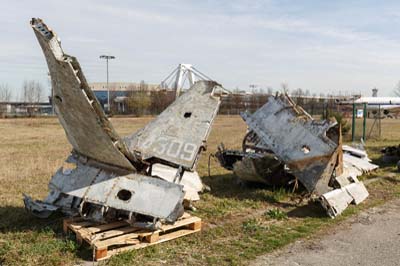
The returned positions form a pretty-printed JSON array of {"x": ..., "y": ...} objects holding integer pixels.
[
  {"x": 391, "y": 154},
  {"x": 284, "y": 139},
  {"x": 39, "y": 208},
  {"x": 362, "y": 165},
  {"x": 85, "y": 124},
  {"x": 138, "y": 194},
  {"x": 191, "y": 181},
  {"x": 263, "y": 168},
  {"x": 355, "y": 163},
  {"x": 357, "y": 191},
  {"x": 337, "y": 200},
  {"x": 179, "y": 133},
  {"x": 297, "y": 140},
  {"x": 107, "y": 177}
]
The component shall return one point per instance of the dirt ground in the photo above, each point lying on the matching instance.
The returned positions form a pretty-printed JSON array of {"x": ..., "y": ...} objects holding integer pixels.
[{"x": 370, "y": 238}]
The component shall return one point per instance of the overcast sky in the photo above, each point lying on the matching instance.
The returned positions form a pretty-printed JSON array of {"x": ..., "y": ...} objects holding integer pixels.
[{"x": 323, "y": 46}]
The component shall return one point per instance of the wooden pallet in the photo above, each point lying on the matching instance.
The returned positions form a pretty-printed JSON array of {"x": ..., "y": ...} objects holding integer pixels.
[{"x": 113, "y": 238}]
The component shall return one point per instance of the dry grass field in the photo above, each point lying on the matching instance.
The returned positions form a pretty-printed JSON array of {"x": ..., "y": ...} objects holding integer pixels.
[{"x": 239, "y": 222}]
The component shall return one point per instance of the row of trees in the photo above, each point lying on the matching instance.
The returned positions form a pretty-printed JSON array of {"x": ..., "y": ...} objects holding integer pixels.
[
  {"x": 142, "y": 100},
  {"x": 32, "y": 92},
  {"x": 236, "y": 103}
]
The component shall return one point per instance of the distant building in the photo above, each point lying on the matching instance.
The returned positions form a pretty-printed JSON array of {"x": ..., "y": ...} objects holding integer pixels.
[
  {"x": 119, "y": 91},
  {"x": 23, "y": 109}
]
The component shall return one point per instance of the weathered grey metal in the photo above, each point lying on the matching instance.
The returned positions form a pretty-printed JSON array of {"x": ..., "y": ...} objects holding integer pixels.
[
  {"x": 284, "y": 142},
  {"x": 86, "y": 127},
  {"x": 356, "y": 163},
  {"x": 191, "y": 181},
  {"x": 84, "y": 183},
  {"x": 263, "y": 168},
  {"x": 180, "y": 132},
  {"x": 347, "y": 186},
  {"x": 337, "y": 200},
  {"x": 138, "y": 194},
  {"x": 295, "y": 139},
  {"x": 103, "y": 179},
  {"x": 39, "y": 208},
  {"x": 391, "y": 154}
]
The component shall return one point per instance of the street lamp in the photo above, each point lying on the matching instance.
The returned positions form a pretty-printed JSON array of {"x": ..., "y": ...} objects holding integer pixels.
[{"x": 107, "y": 57}]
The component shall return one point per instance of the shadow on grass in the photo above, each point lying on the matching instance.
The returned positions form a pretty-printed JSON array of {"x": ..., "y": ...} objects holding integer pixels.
[
  {"x": 312, "y": 210},
  {"x": 226, "y": 186},
  {"x": 14, "y": 219}
]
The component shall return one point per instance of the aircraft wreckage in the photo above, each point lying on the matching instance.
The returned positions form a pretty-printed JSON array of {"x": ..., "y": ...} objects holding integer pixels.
[
  {"x": 391, "y": 154},
  {"x": 143, "y": 177},
  {"x": 284, "y": 144}
]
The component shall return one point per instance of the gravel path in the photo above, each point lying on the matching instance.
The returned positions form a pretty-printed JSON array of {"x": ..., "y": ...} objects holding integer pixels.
[{"x": 370, "y": 238}]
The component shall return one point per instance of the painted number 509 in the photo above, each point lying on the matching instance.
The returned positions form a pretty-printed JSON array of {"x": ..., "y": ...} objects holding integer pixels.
[{"x": 176, "y": 149}]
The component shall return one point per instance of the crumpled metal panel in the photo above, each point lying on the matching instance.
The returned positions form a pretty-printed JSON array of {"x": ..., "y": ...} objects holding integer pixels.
[
  {"x": 191, "y": 181},
  {"x": 357, "y": 191},
  {"x": 87, "y": 129},
  {"x": 262, "y": 168},
  {"x": 180, "y": 132},
  {"x": 145, "y": 195},
  {"x": 361, "y": 165},
  {"x": 39, "y": 208},
  {"x": 296, "y": 139},
  {"x": 149, "y": 196},
  {"x": 107, "y": 181},
  {"x": 355, "y": 163},
  {"x": 337, "y": 200}
]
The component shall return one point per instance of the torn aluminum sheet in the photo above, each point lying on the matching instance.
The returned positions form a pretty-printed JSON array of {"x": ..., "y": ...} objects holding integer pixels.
[
  {"x": 191, "y": 181},
  {"x": 284, "y": 143},
  {"x": 106, "y": 177},
  {"x": 179, "y": 133},
  {"x": 337, "y": 200},
  {"x": 298, "y": 140},
  {"x": 308, "y": 149},
  {"x": 355, "y": 163},
  {"x": 86, "y": 127},
  {"x": 261, "y": 167},
  {"x": 391, "y": 154}
]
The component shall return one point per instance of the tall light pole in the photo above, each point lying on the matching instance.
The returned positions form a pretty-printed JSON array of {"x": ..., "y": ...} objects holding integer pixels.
[{"x": 107, "y": 57}]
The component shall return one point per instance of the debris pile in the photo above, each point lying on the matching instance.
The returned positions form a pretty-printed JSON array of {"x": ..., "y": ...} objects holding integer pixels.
[
  {"x": 143, "y": 177},
  {"x": 391, "y": 154},
  {"x": 285, "y": 144}
]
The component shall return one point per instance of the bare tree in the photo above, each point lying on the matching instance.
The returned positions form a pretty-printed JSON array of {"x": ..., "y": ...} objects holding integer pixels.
[
  {"x": 285, "y": 87},
  {"x": 32, "y": 91},
  {"x": 5, "y": 96},
  {"x": 5, "y": 93},
  {"x": 138, "y": 100},
  {"x": 397, "y": 89}
]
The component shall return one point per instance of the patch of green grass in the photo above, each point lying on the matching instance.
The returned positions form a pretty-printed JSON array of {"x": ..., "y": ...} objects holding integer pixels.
[
  {"x": 251, "y": 225},
  {"x": 276, "y": 214},
  {"x": 279, "y": 194}
]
